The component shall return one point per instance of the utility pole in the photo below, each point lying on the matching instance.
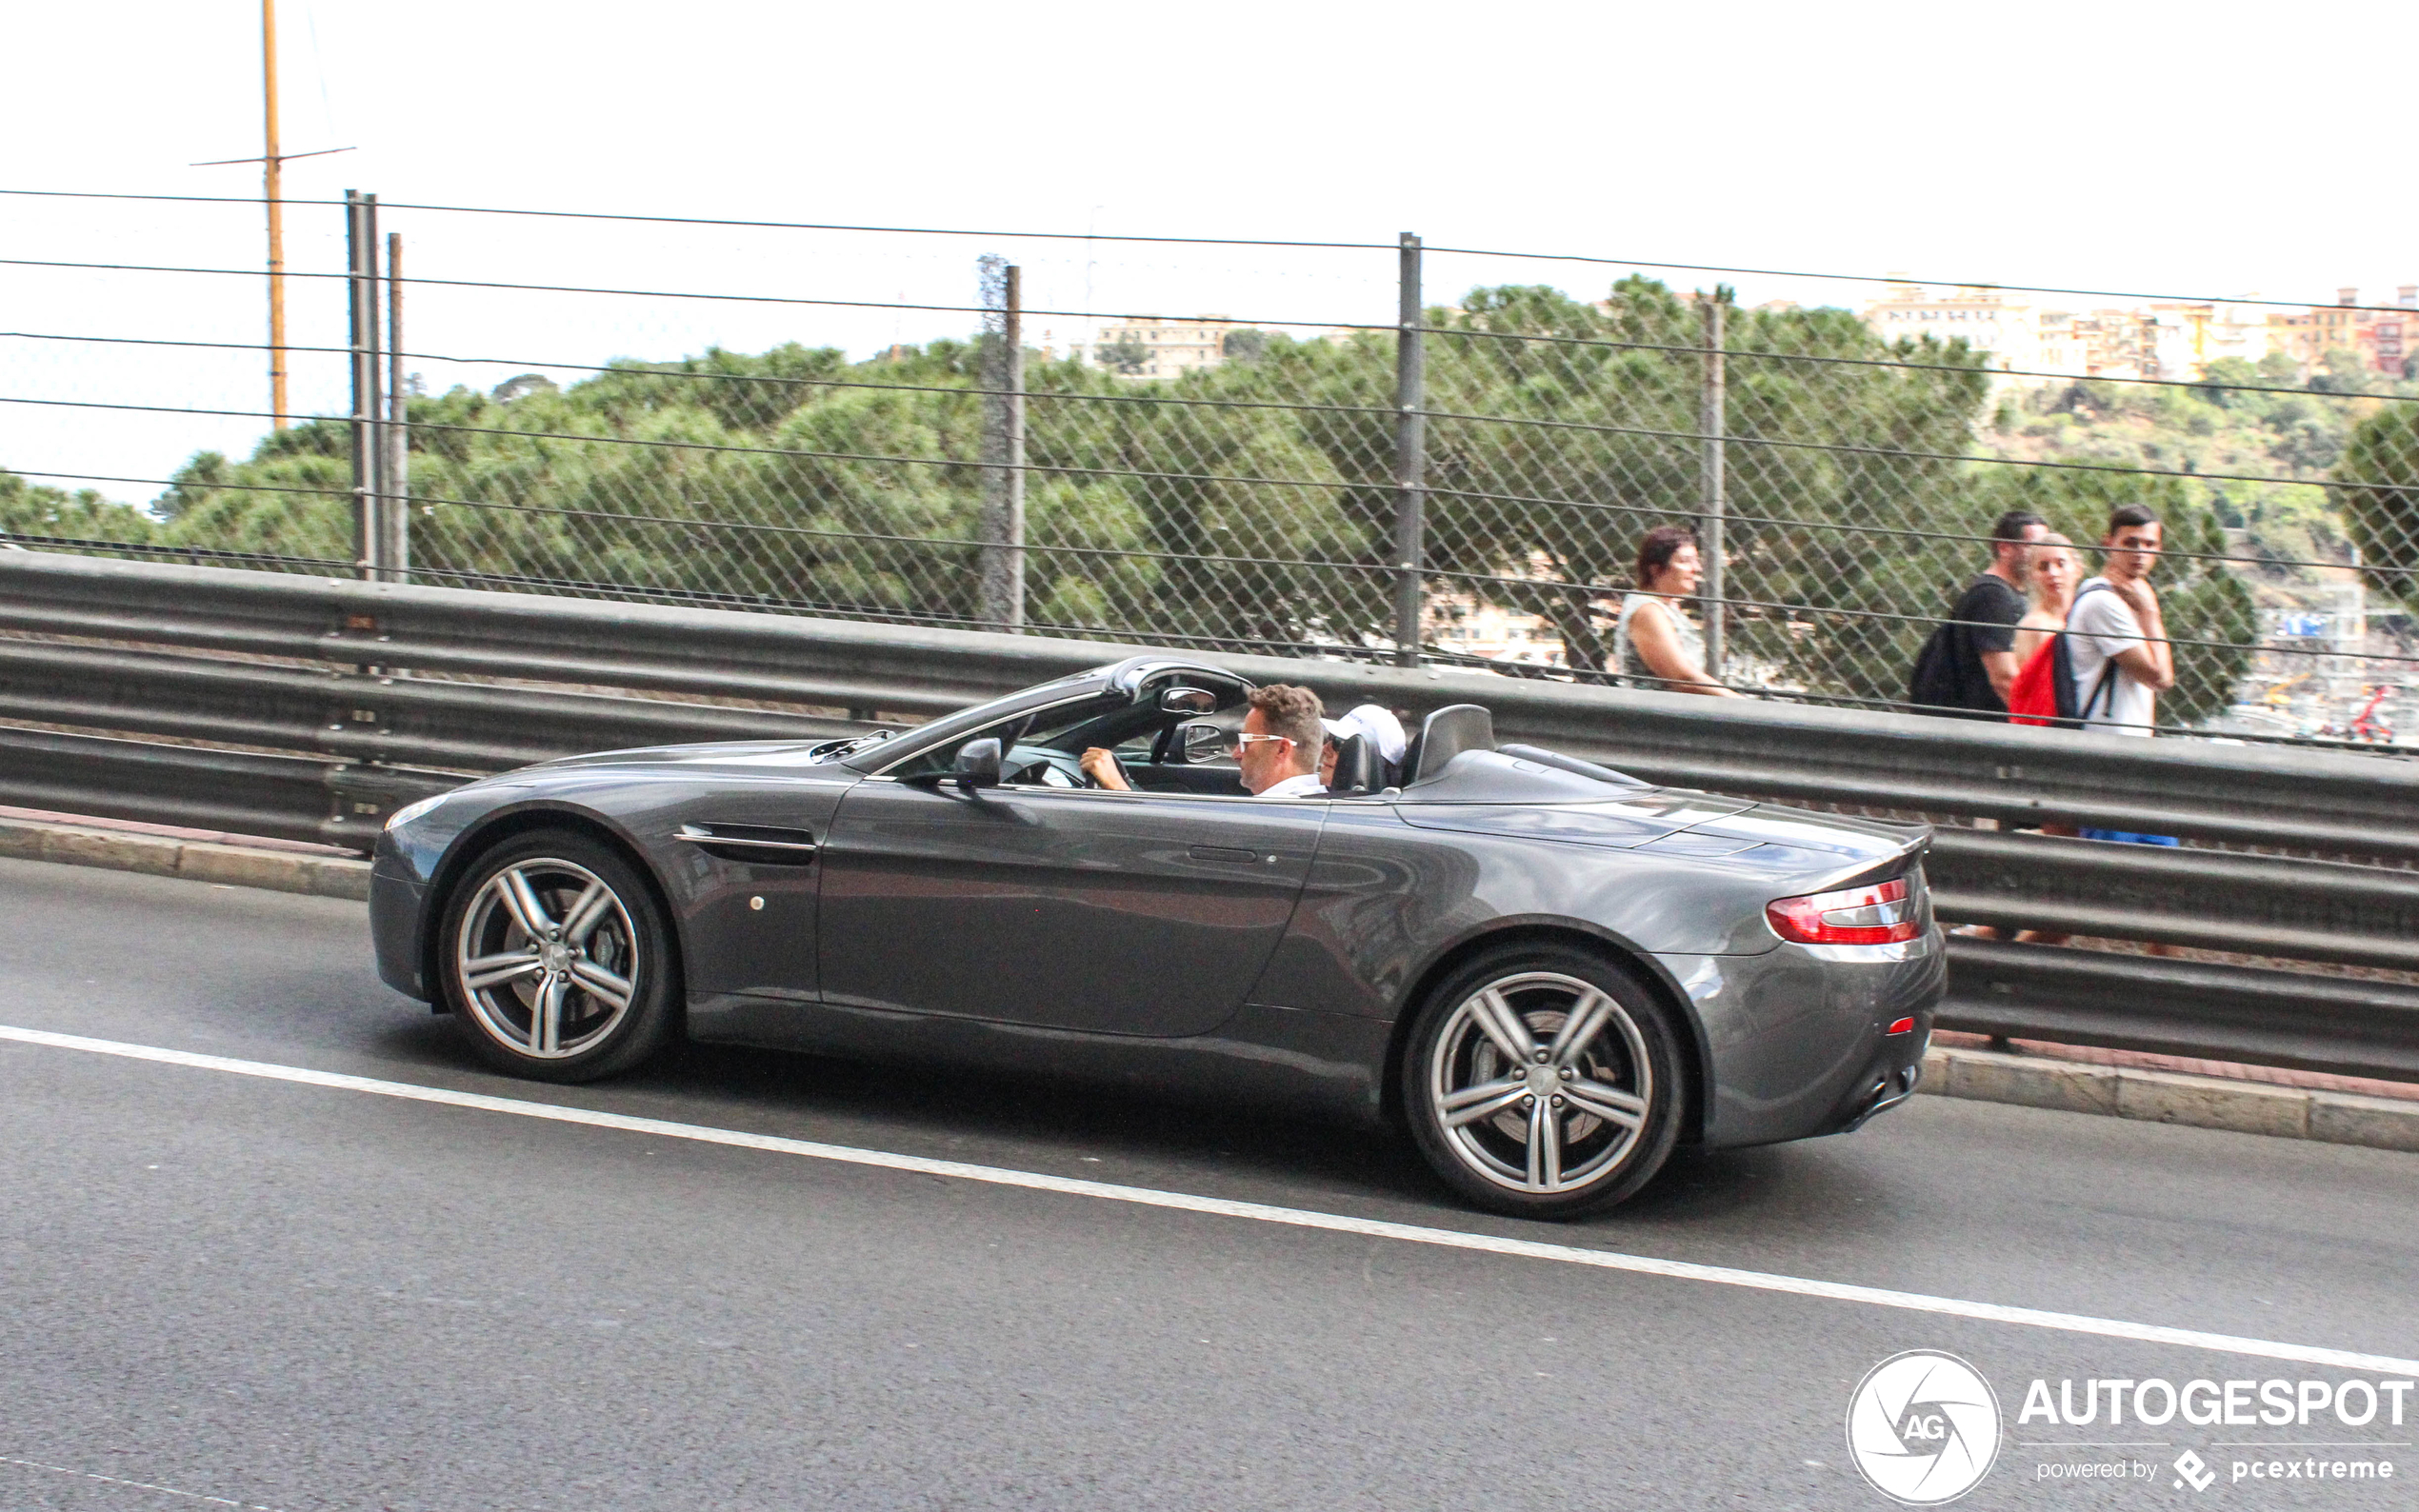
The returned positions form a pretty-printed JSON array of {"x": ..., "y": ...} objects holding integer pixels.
[{"x": 272, "y": 188}]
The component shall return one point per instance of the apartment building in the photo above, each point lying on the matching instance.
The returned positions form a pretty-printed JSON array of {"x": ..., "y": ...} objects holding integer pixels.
[
  {"x": 2174, "y": 339},
  {"x": 2386, "y": 340},
  {"x": 2001, "y": 322},
  {"x": 1173, "y": 346}
]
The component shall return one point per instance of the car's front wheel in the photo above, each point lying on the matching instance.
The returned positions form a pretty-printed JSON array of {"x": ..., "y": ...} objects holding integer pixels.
[
  {"x": 557, "y": 962},
  {"x": 1544, "y": 1081}
]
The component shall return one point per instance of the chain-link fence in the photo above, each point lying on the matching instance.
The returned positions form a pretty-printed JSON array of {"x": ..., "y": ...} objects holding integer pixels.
[{"x": 1254, "y": 483}]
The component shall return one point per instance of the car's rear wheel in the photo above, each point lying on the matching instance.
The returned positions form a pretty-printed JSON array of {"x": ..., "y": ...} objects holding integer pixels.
[
  {"x": 1544, "y": 1081},
  {"x": 557, "y": 962}
]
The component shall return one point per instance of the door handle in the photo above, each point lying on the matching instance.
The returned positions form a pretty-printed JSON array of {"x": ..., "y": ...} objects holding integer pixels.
[{"x": 1223, "y": 853}]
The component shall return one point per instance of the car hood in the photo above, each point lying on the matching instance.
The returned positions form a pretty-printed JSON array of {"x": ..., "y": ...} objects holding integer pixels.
[{"x": 711, "y": 754}]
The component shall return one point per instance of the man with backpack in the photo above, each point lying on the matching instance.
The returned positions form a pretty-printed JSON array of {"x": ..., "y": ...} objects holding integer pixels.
[
  {"x": 1966, "y": 667},
  {"x": 2116, "y": 639}
]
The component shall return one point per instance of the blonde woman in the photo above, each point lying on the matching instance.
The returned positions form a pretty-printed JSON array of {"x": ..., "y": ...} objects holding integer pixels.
[
  {"x": 2050, "y": 582},
  {"x": 2055, "y": 571}
]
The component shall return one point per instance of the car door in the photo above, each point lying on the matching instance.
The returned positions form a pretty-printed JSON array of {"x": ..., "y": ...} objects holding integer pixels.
[{"x": 1119, "y": 913}]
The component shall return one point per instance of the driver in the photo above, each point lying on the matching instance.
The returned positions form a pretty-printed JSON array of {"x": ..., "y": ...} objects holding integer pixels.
[{"x": 1278, "y": 747}]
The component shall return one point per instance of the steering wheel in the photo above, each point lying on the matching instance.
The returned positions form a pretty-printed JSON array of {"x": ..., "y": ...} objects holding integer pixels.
[{"x": 1091, "y": 782}]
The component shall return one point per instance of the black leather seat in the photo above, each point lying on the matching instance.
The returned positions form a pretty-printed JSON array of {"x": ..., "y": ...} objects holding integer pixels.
[{"x": 1356, "y": 767}]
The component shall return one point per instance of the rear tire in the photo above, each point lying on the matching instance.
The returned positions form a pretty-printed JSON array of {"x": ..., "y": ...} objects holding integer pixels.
[
  {"x": 1544, "y": 1081},
  {"x": 555, "y": 960}
]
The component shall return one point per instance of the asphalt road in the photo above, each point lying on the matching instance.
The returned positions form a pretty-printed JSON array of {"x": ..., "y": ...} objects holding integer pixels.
[{"x": 294, "y": 1297}]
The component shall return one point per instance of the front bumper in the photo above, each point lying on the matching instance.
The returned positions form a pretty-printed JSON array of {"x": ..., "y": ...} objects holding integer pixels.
[{"x": 397, "y": 900}]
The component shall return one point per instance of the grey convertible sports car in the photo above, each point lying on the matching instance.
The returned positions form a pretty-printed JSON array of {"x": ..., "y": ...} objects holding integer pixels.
[{"x": 1550, "y": 972}]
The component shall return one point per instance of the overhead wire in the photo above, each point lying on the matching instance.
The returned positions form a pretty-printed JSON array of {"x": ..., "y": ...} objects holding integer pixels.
[{"x": 1588, "y": 258}]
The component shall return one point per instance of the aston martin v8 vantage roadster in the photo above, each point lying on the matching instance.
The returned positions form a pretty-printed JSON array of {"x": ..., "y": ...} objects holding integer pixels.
[{"x": 1549, "y": 972}]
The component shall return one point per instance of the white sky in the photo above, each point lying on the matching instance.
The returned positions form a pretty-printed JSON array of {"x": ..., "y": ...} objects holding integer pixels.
[{"x": 2118, "y": 145}]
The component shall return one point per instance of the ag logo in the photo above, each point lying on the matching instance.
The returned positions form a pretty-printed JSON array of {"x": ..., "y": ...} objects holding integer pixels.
[{"x": 1923, "y": 1428}]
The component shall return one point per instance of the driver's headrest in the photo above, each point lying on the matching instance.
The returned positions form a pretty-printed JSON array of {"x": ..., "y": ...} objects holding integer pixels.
[{"x": 1356, "y": 767}]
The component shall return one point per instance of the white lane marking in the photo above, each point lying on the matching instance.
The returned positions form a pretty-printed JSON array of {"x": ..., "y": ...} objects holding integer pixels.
[
  {"x": 139, "y": 1485},
  {"x": 1226, "y": 1207}
]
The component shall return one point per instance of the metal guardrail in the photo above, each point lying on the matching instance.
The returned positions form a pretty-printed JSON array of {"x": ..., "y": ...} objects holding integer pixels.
[{"x": 351, "y": 698}]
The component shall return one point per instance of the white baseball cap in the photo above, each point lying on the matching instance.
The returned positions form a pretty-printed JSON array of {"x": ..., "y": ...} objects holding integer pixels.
[{"x": 1376, "y": 723}]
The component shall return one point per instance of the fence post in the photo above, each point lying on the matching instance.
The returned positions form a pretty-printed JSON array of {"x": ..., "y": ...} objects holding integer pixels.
[
  {"x": 361, "y": 243},
  {"x": 1003, "y": 533},
  {"x": 395, "y": 539},
  {"x": 1410, "y": 456},
  {"x": 1712, "y": 421}
]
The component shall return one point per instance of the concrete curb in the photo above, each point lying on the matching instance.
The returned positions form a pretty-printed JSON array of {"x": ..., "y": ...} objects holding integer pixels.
[
  {"x": 201, "y": 860},
  {"x": 2169, "y": 1097}
]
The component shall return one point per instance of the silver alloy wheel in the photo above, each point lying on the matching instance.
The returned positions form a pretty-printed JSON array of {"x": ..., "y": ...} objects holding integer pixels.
[
  {"x": 546, "y": 957},
  {"x": 1541, "y": 1082}
]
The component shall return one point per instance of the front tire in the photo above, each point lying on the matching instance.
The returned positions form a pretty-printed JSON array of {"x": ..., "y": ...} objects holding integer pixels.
[
  {"x": 1544, "y": 1081},
  {"x": 556, "y": 960}
]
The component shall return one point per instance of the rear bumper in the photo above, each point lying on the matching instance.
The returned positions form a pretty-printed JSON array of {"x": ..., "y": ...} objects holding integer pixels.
[{"x": 1797, "y": 1038}]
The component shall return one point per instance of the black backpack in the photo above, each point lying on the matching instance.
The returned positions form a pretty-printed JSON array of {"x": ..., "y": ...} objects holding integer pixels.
[
  {"x": 2071, "y": 716},
  {"x": 1934, "y": 684}
]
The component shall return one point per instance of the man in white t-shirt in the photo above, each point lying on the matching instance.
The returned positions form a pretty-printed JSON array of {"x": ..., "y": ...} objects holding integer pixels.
[{"x": 2117, "y": 618}]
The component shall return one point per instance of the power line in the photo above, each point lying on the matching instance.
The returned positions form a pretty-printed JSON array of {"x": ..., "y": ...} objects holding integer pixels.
[
  {"x": 675, "y": 293},
  {"x": 725, "y": 221},
  {"x": 1929, "y": 282},
  {"x": 1239, "y": 241}
]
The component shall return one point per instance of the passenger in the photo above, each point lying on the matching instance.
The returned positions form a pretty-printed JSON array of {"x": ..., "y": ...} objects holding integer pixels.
[
  {"x": 1377, "y": 725},
  {"x": 1655, "y": 645},
  {"x": 1278, "y": 748}
]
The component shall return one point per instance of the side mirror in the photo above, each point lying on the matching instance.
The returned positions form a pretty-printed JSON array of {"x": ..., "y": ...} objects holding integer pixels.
[
  {"x": 1188, "y": 701},
  {"x": 1202, "y": 742},
  {"x": 978, "y": 764}
]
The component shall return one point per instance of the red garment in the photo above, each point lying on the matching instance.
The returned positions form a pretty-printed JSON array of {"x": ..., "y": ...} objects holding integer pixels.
[{"x": 2032, "y": 698}]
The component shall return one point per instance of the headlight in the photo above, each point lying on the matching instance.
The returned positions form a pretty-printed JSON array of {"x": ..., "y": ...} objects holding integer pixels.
[{"x": 412, "y": 810}]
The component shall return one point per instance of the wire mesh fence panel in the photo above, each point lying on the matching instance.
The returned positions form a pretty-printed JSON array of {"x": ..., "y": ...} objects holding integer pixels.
[
  {"x": 1240, "y": 492},
  {"x": 1252, "y": 497}
]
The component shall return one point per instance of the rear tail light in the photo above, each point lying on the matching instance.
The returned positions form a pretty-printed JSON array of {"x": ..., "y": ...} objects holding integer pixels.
[
  {"x": 1905, "y": 1025},
  {"x": 1883, "y": 913}
]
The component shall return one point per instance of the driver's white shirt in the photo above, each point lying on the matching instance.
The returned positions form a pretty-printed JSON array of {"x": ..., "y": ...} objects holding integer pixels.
[{"x": 1301, "y": 784}]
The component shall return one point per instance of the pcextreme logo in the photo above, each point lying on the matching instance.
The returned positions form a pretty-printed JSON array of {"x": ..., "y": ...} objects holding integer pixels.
[{"x": 1923, "y": 1428}]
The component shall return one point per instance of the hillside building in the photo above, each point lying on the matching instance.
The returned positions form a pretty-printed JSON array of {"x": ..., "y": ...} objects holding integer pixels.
[
  {"x": 1175, "y": 345},
  {"x": 2000, "y": 322},
  {"x": 2385, "y": 340}
]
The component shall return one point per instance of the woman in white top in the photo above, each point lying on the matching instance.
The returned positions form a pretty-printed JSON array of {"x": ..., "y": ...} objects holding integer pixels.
[
  {"x": 2049, "y": 581},
  {"x": 1656, "y": 644}
]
